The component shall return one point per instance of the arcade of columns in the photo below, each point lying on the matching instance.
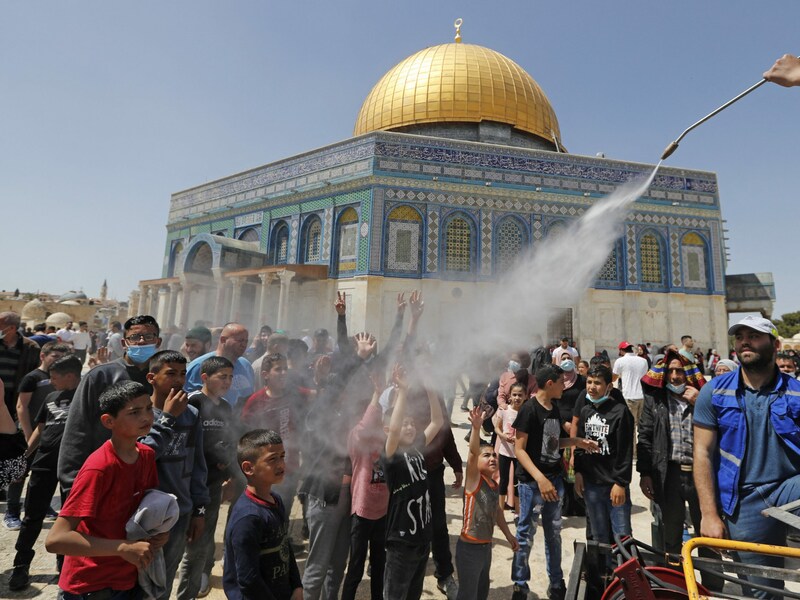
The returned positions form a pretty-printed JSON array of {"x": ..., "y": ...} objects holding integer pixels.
[{"x": 181, "y": 301}]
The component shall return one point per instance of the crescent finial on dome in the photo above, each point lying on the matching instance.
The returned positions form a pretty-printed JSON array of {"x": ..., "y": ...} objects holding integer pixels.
[{"x": 457, "y": 25}]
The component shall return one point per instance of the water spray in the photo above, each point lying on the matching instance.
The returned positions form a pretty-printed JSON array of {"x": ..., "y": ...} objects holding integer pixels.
[{"x": 674, "y": 145}]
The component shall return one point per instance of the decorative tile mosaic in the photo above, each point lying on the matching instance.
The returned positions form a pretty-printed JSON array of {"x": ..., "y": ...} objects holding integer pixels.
[
  {"x": 537, "y": 227},
  {"x": 433, "y": 240},
  {"x": 717, "y": 257},
  {"x": 204, "y": 228},
  {"x": 630, "y": 241},
  {"x": 295, "y": 230},
  {"x": 675, "y": 258},
  {"x": 486, "y": 242},
  {"x": 693, "y": 255},
  {"x": 265, "y": 228},
  {"x": 376, "y": 239},
  {"x": 253, "y": 218},
  {"x": 248, "y": 234},
  {"x": 348, "y": 240},
  {"x": 327, "y": 230},
  {"x": 363, "y": 240}
]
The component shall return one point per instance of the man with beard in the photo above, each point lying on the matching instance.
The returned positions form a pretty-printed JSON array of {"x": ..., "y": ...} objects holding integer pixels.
[{"x": 747, "y": 424}]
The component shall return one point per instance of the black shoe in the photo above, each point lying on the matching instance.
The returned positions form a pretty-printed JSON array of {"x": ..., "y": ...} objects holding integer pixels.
[
  {"x": 519, "y": 593},
  {"x": 20, "y": 578},
  {"x": 557, "y": 592}
]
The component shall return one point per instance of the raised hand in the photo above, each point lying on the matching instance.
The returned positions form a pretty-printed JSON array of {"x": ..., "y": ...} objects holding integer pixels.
[
  {"x": 366, "y": 345},
  {"x": 400, "y": 377},
  {"x": 477, "y": 416},
  {"x": 416, "y": 303},
  {"x": 341, "y": 303},
  {"x": 401, "y": 303}
]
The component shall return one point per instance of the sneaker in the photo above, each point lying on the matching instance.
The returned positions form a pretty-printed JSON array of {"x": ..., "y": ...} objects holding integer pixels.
[
  {"x": 51, "y": 514},
  {"x": 20, "y": 579},
  {"x": 205, "y": 586},
  {"x": 519, "y": 593},
  {"x": 12, "y": 522},
  {"x": 448, "y": 587}
]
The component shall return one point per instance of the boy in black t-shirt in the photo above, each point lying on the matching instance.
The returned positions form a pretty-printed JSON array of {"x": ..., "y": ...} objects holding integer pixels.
[
  {"x": 219, "y": 439},
  {"x": 408, "y": 528},
  {"x": 539, "y": 440},
  {"x": 65, "y": 374}
]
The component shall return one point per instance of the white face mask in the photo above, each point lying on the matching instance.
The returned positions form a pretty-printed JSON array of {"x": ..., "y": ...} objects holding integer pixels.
[{"x": 678, "y": 389}]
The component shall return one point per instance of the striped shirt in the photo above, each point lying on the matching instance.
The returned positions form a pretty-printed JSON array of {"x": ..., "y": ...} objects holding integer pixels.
[{"x": 680, "y": 430}]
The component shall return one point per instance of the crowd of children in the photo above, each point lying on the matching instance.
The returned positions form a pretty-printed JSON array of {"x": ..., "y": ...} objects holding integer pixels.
[{"x": 359, "y": 436}]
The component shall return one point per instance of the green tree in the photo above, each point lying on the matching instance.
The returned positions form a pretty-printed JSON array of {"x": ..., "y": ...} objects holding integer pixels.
[{"x": 788, "y": 324}]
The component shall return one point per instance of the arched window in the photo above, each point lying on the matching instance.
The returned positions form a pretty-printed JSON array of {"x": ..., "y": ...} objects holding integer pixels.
[
  {"x": 650, "y": 259},
  {"x": 511, "y": 241},
  {"x": 174, "y": 255},
  {"x": 556, "y": 229},
  {"x": 403, "y": 248},
  {"x": 693, "y": 253},
  {"x": 312, "y": 240},
  {"x": 608, "y": 272},
  {"x": 348, "y": 240},
  {"x": 200, "y": 260},
  {"x": 279, "y": 248},
  {"x": 458, "y": 252},
  {"x": 249, "y": 235}
]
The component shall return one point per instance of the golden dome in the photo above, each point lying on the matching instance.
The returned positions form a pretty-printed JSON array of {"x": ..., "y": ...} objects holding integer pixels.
[{"x": 458, "y": 83}]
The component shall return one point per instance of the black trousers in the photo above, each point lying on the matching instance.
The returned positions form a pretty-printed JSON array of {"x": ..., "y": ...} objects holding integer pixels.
[
  {"x": 673, "y": 510},
  {"x": 440, "y": 545},
  {"x": 366, "y": 534},
  {"x": 41, "y": 486}
]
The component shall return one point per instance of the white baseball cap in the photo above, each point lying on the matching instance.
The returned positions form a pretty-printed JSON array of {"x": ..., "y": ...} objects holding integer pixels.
[{"x": 756, "y": 323}]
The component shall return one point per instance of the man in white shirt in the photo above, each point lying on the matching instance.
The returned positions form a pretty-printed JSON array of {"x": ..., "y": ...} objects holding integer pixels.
[
  {"x": 558, "y": 351},
  {"x": 81, "y": 340},
  {"x": 630, "y": 369},
  {"x": 66, "y": 334},
  {"x": 115, "y": 348}
]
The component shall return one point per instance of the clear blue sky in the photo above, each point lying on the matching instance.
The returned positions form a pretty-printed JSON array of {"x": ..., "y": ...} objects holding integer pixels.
[{"x": 108, "y": 108}]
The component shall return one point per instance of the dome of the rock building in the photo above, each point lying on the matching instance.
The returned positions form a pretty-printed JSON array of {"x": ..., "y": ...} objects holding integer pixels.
[
  {"x": 459, "y": 84},
  {"x": 34, "y": 310}
]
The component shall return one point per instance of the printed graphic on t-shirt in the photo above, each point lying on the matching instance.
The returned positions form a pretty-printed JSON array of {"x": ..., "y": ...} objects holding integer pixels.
[
  {"x": 377, "y": 470},
  {"x": 550, "y": 435},
  {"x": 597, "y": 429}
]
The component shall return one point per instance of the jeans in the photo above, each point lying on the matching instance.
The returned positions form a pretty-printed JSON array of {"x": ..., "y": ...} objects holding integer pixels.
[
  {"x": 405, "y": 571},
  {"x": 440, "y": 543},
  {"x": 473, "y": 561},
  {"x": 366, "y": 534},
  {"x": 749, "y": 525},
  {"x": 173, "y": 550},
  {"x": 41, "y": 485},
  {"x": 598, "y": 503},
  {"x": 328, "y": 544},
  {"x": 199, "y": 555},
  {"x": 531, "y": 505}
]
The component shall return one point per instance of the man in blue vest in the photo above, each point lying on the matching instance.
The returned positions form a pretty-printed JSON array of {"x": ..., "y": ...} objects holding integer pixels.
[{"x": 747, "y": 446}]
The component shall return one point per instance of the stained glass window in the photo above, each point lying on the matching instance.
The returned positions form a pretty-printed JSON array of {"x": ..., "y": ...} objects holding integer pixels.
[
  {"x": 650, "y": 256},
  {"x": 403, "y": 240},
  {"x": 313, "y": 239},
  {"x": 280, "y": 245},
  {"x": 458, "y": 246},
  {"x": 609, "y": 270},
  {"x": 511, "y": 240},
  {"x": 694, "y": 261},
  {"x": 348, "y": 240}
]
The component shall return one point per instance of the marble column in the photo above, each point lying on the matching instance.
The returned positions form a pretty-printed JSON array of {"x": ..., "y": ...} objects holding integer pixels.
[
  {"x": 172, "y": 303},
  {"x": 151, "y": 300},
  {"x": 283, "y": 299},
  {"x": 236, "y": 296},
  {"x": 219, "y": 308},
  {"x": 262, "y": 300},
  {"x": 183, "y": 317}
]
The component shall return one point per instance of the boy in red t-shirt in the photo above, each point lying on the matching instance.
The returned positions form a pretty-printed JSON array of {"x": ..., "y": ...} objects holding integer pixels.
[{"x": 90, "y": 529}]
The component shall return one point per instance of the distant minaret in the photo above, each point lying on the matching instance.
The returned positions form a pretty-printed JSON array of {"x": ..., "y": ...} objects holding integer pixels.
[{"x": 104, "y": 291}]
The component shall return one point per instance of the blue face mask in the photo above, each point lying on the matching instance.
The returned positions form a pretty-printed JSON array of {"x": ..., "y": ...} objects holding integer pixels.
[
  {"x": 514, "y": 366},
  {"x": 678, "y": 389},
  {"x": 567, "y": 365},
  {"x": 598, "y": 401},
  {"x": 141, "y": 354}
]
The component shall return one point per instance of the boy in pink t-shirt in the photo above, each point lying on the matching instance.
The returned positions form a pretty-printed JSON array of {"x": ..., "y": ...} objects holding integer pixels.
[{"x": 370, "y": 498}]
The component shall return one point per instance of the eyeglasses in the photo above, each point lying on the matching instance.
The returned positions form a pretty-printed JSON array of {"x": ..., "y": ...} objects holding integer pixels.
[{"x": 139, "y": 337}]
